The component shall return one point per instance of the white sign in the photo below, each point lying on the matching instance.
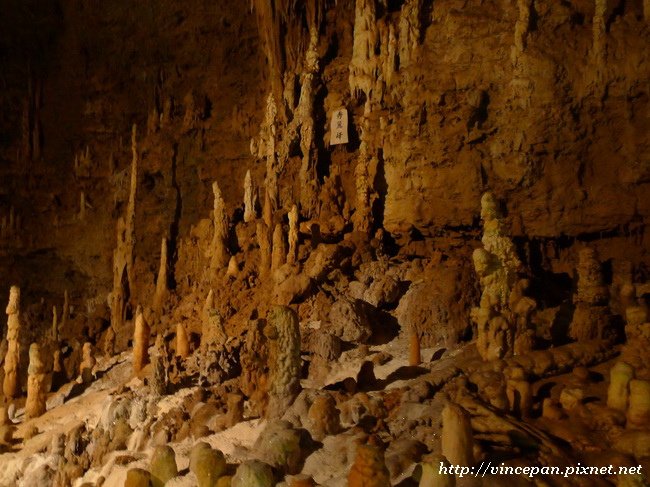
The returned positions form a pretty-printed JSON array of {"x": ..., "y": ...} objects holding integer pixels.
[{"x": 339, "y": 127}]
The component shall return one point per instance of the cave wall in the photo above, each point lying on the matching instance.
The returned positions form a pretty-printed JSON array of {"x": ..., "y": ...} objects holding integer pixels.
[{"x": 543, "y": 103}]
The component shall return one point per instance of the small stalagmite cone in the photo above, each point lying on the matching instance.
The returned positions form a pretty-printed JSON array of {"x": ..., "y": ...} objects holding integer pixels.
[
  {"x": 182, "y": 342},
  {"x": 140, "y": 342}
]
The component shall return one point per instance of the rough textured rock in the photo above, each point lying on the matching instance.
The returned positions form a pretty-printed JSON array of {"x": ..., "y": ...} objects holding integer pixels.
[{"x": 283, "y": 333}]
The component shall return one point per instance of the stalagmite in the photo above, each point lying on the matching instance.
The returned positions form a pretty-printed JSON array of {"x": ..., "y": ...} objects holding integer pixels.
[
  {"x": 160, "y": 380},
  {"x": 233, "y": 267},
  {"x": 638, "y": 411},
  {"x": 279, "y": 251},
  {"x": 292, "y": 255},
  {"x": 55, "y": 326},
  {"x": 283, "y": 331},
  {"x": 36, "y": 384},
  {"x": 219, "y": 248},
  {"x": 503, "y": 314},
  {"x": 140, "y": 342},
  {"x": 250, "y": 199},
  {"x": 518, "y": 391},
  {"x": 82, "y": 206},
  {"x": 362, "y": 218},
  {"x": 414, "y": 349},
  {"x": 161, "y": 282},
  {"x": 10, "y": 386},
  {"x": 65, "y": 312},
  {"x": 88, "y": 363},
  {"x": 213, "y": 334},
  {"x": 618, "y": 392},
  {"x": 591, "y": 318},
  {"x": 182, "y": 342},
  {"x": 369, "y": 468},
  {"x": 457, "y": 438},
  {"x": 264, "y": 242}
]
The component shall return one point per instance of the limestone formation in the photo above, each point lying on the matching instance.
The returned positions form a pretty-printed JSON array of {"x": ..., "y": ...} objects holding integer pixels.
[
  {"x": 522, "y": 25},
  {"x": 138, "y": 477},
  {"x": 10, "y": 386},
  {"x": 250, "y": 199},
  {"x": 305, "y": 118},
  {"x": 160, "y": 295},
  {"x": 432, "y": 474},
  {"x": 292, "y": 255},
  {"x": 369, "y": 468},
  {"x": 638, "y": 412},
  {"x": 163, "y": 466},
  {"x": 182, "y": 342},
  {"x": 87, "y": 366},
  {"x": 414, "y": 349},
  {"x": 283, "y": 331},
  {"x": 618, "y": 392},
  {"x": 160, "y": 379},
  {"x": 324, "y": 417},
  {"x": 253, "y": 473},
  {"x": 457, "y": 438},
  {"x": 279, "y": 253},
  {"x": 55, "y": 326},
  {"x": 36, "y": 384},
  {"x": 591, "y": 316},
  {"x": 362, "y": 217},
  {"x": 518, "y": 391},
  {"x": 219, "y": 247},
  {"x": 503, "y": 315},
  {"x": 233, "y": 267},
  {"x": 207, "y": 464},
  {"x": 264, "y": 242},
  {"x": 213, "y": 333},
  {"x": 599, "y": 29},
  {"x": 140, "y": 342}
]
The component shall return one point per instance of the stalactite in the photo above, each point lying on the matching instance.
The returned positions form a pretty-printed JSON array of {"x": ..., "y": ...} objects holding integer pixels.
[
  {"x": 409, "y": 33},
  {"x": 363, "y": 62}
]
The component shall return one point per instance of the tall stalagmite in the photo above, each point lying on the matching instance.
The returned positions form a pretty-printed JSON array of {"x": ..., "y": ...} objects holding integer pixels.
[
  {"x": 219, "y": 248},
  {"x": 10, "y": 387}
]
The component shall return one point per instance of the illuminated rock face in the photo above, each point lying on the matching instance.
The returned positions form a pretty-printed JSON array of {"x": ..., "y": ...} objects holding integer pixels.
[{"x": 475, "y": 237}]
